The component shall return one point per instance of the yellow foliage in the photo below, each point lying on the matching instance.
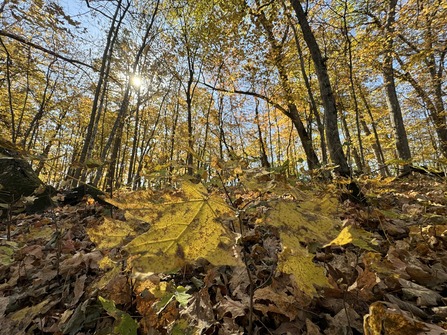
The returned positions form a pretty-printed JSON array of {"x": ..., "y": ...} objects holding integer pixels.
[
  {"x": 184, "y": 227},
  {"x": 308, "y": 223},
  {"x": 359, "y": 237},
  {"x": 110, "y": 234},
  {"x": 183, "y": 232},
  {"x": 388, "y": 319}
]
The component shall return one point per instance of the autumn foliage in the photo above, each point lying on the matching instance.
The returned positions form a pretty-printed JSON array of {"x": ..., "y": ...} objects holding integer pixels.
[
  {"x": 223, "y": 167},
  {"x": 282, "y": 258}
]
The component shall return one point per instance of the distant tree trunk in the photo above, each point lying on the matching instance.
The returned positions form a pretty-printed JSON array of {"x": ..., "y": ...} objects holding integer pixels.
[
  {"x": 8, "y": 86},
  {"x": 202, "y": 151},
  {"x": 173, "y": 133},
  {"x": 330, "y": 110},
  {"x": 264, "y": 157},
  {"x": 47, "y": 149},
  {"x": 435, "y": 105},
  {"x": 400, "y": 134},
  {"x": 377, "y": 147},
  {"x": 435, "y": 109},
  {"x": 312, "y": 102},
  {"x": 135, "y": 142},
  {"x": 277, "y": 50},
  {"x": 46, "y": 96},
  {"x": 119, "y": 123},
  {"x": 189, "y": 92},
  {"x": 222, "y": 139},
  {"x": 351, "y": 147},
  {"x": 435, "y": 66},
  {"x": 25, "y": 100},
  {"x": 102, "y": 80},
  {"x": 353, "y": 91},
  {"x": 147, "y": 143}
]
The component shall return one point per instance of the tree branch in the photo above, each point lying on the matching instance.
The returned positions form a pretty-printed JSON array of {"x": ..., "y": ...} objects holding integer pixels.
[
  {"x": 41, "y": 48},
  {"x": 253, "y": 94}
]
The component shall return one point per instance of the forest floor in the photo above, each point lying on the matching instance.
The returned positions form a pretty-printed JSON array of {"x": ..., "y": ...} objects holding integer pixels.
[{"x": 52, "y": 280}]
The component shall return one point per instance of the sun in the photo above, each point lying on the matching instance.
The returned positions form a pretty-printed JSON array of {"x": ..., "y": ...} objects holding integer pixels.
[{"x": 136, "y": 81}]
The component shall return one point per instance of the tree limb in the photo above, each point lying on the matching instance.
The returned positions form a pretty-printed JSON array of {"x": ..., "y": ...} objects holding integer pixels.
[
  {"x": 253, "y": 94},
  {"x": 41, "y": 48}
]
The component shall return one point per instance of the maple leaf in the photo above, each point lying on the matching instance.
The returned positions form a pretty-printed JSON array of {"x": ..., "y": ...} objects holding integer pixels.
[
  {"x": 111, "y": 233},
  {"x": 184, "y": 227},
  {"x": 307, "y": 222}
]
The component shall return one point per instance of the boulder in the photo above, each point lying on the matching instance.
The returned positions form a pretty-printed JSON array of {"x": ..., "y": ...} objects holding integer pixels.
[{"x": 20, "y": 187}]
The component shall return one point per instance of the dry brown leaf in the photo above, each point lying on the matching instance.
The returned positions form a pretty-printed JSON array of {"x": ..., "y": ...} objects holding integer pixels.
[
  {"x": 78, "y": 290},
  {"x": 81, "y": 260},
  {"x": 289, "y": 328},
  {"x": 239, "y": 283},
  {"x": 268, "y": 300},
  {"x": 312, "y": 328},
  {"x": 228, "y": 307},
  {"x": 345, "y": 320},
  {"x": 406, "y": 306},
  {"x": 200, "y": 310},
  {"x": 424, "y": 296},
  {"x": 365, "y": 283}
]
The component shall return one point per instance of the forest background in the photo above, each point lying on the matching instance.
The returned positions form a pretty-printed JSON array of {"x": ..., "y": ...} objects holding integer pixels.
[
  {"x": 129, "y": 93},
  {"x": 267, "y": 100}
]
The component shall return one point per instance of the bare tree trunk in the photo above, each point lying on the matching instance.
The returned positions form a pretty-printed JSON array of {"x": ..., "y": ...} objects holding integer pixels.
[
  {"x": 361, "y": 162},
  {"x": 277, "y": 50},
  {"x": 400, "y": 134},
  {"x": 351, "y": 147},
  {"x": 46, "y": 95},
  {"x": 434, "y": 105},
  {"x": 173, "y": 133},
  {"x": 189, "y": 92},
  {"x": 119, "y": 122},
  {"x": 377, "y": 147},
  {"x": 330, "y": 110},
  {"x": 312, "y": 102},
  {"x": 8, "y": 85},
  {"x": 264, "y": 157},
  {"x": 102, "y": 80}
]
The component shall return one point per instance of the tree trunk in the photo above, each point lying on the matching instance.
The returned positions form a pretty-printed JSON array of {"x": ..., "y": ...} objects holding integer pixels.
[
  {"x": 400, "y": 134},
  {"x": 277, "y": 50},
  {"x": 353, "y": 91},
  {"x": 102, "y": 80},
  {"x": 377, "y": 147},
  {"x": 351, "y": 147},
  {"x": 263, "y": 154},
  {"x": 312, "y": 102},
  {"x": 111, "y": 175},
  {"x": 330, "y": 110}
]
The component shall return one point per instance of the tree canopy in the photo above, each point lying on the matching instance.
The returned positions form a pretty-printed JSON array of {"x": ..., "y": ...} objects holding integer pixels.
[{"x": 131, "y": 92}]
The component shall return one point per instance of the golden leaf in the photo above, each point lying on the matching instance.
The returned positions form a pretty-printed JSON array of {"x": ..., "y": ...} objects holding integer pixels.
[
  {"x": 110, "y": 233},
  {"x": 359, "y": 237},
  {"x": 307, "y": 223},
  {"x": 185, "y": 232},
  {"x": 182, "y": 228}
]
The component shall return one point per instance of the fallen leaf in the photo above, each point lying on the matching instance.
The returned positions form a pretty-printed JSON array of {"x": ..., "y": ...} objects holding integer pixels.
[
  {"x": 228, "y": 307},
  {"x": 358, "y": 237},
  {"x": 387, "y": 319}
]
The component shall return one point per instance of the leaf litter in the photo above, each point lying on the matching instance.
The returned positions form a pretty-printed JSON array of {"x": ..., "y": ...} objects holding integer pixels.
[{"x": 292, "y": 261}]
